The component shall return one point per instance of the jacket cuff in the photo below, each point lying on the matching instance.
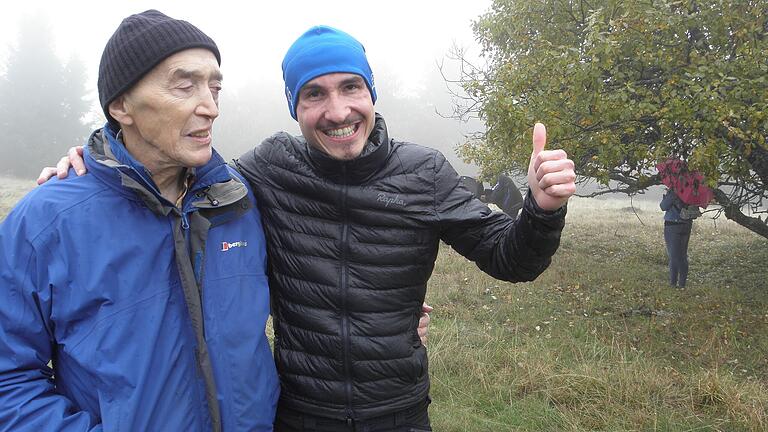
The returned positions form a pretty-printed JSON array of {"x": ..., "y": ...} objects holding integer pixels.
[{"x": 552, "y": 219}]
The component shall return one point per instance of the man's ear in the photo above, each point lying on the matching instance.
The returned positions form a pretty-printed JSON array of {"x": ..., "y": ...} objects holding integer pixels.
[{"x": 119, "y": 111}]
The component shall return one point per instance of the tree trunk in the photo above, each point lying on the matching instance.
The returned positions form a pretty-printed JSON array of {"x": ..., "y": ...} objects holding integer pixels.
[{"x": 733, "y": 212}]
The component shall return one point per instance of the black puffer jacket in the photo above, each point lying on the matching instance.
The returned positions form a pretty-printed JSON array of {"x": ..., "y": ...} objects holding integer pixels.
[{"x": 351, "y": 246}]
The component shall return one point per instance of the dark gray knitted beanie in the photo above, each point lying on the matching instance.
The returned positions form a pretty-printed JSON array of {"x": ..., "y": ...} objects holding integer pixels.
[{"x": 140, "y": 43}]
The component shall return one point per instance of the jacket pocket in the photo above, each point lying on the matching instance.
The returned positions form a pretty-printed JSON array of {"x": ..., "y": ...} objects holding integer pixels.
[
  {"x": 419, "y": 363},
  {"x": 414, "y": 326}
]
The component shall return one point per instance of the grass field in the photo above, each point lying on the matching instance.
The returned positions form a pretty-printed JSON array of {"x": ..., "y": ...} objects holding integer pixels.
[{"x": 600, "y": 342}]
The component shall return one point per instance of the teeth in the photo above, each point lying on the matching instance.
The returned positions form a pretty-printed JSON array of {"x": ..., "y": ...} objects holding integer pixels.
[
  {"x": 200, "y": 134},
  {"x": 341, "y": 133}
]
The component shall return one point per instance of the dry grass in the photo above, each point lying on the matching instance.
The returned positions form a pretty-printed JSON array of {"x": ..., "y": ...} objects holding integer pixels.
[{"x": 599, "y": 342}]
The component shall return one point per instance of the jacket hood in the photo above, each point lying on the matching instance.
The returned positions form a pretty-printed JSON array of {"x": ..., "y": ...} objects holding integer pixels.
[
  {"x": 360, "y": 168},
  {"x": 107, "y": 158}
]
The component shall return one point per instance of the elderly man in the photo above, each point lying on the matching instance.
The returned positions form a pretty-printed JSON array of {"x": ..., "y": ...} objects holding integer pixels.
[
  {"x": 353, "y": 221},
  {"x": 135, "y": 297}
]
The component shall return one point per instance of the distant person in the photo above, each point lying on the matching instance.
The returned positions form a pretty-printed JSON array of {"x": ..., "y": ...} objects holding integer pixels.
[
  {"x": 135, "y": 298},
  {"x": 507, "y": 196},
  {"x": 678, "y": 221},
  {"x": 354, "y": 220},
  {"x": 503, "y": 194}
]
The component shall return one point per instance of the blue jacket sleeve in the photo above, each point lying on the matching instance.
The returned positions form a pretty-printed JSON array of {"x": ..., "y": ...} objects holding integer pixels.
[
  {"x": 28, "y": 397},
  {"x": 669, "y": 201},
  {"x": 666, "y": 201}
]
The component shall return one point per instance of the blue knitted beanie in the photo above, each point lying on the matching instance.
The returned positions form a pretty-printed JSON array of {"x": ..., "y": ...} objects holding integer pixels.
[{"x": 319, "y": 51}]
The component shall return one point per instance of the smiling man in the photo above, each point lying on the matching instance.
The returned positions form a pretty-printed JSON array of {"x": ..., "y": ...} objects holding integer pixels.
[
  {"x": 340, "y": 130},
  {"x": 354, "y": 220},
  {"x": 118, "y": 278}
]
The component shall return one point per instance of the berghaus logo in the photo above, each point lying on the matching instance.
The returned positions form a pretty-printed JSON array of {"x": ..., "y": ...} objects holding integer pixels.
[{"x": 225, "y": 246}]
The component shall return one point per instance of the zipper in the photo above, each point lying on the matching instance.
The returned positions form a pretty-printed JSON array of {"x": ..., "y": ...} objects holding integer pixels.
[
  {"x": 197, "y": 262},
  {"x": 196, "y": 257},
  {"x": 344, "y": 291}
]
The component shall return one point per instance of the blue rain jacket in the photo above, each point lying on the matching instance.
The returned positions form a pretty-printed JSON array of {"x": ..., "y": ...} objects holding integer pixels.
[{"x": 120, "y": 311}]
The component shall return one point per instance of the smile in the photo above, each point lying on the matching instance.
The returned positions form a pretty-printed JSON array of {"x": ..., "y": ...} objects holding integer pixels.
[{"x": 341, "y": 132}]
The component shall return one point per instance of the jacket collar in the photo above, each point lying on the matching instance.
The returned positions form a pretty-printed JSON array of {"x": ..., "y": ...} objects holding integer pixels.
[
  {"x": 357, "y": 170},
  {"x": 107, "y": 158}
]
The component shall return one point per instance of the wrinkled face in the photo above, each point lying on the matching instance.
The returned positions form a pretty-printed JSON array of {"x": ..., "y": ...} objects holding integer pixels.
[
  {"x": 336, "y": 115},
  {"x": 168, "y": 115}
]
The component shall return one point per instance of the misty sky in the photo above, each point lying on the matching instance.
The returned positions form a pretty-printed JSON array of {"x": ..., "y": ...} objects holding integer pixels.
[{"x": 404, "y": 38}]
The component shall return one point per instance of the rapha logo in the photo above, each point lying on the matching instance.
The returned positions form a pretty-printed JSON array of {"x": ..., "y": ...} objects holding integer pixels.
[
  {"x": 388, "y": 199},
  {"x": 225, "y": 246}
]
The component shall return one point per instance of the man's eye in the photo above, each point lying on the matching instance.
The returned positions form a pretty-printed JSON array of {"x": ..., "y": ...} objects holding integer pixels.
[{"x": 353, "y": 88}]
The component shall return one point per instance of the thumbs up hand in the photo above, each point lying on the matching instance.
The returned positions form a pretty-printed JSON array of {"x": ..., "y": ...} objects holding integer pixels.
[{"x": 551, "y": 176}]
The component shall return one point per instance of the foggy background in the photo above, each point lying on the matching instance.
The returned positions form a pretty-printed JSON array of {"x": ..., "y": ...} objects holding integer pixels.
[{"x": 50, "y": 51}]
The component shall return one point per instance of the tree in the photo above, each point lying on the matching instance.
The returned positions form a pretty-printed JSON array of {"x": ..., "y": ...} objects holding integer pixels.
[
  {"x": 41, "y": 102},
  {"x": 418, "y": 117},
  {"x": 623, "y": 85}
]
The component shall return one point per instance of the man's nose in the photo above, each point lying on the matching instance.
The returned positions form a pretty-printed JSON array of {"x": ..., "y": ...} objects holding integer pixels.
[
  {"x": 337, "y": 109},
  {"x": 208, "y": 105}
]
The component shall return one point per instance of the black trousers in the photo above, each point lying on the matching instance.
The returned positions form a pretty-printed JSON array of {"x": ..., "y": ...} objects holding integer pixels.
[{"x": 414, "y": 419}]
